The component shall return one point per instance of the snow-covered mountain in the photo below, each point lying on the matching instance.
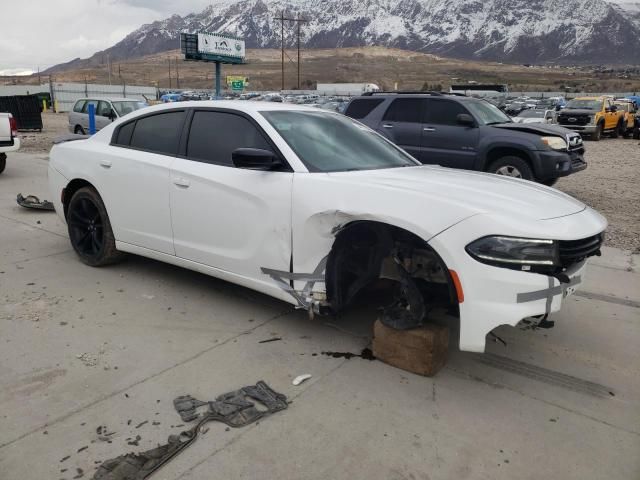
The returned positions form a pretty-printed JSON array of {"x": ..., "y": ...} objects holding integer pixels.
[{"x": 529, "y": 31}]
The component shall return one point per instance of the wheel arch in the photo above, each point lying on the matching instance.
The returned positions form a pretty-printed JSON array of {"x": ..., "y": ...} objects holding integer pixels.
[
  {"x": 386, "y": 236},
  {"x": 72, "y": 187}
]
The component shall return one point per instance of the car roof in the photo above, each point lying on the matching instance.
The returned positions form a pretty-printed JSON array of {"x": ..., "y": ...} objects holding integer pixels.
[
  {"x": 436, "y": 95},
  {"x": 111, "y": 99},
  {"x": 238, "y": 105}
]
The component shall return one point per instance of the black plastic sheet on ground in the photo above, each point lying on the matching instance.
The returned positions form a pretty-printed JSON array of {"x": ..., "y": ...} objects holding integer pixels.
[{"x": 26, "y": 109}]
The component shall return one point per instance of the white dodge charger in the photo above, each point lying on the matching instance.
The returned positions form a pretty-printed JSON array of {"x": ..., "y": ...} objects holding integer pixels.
[{"x": 313, "y": 208}]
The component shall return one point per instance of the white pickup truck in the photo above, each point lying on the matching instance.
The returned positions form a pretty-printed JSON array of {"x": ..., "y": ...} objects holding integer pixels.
[{"x": 9, "y": 140}]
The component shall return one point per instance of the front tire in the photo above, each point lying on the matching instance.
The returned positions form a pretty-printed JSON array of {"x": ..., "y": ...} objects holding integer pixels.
[
  {"x": 90, "y": 230},
  {"x": 550, "y": 182},
  {"x": 79, "y": 130},
  {"x": 512, "y": 166},
  {"x": 3, "y": 161},
  {"x": 597, "y": 135}
]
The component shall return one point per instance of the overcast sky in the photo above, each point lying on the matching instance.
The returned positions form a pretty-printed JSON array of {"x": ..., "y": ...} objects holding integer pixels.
[
  {"x": 42, "y": 33},
  {"x": 47, "y": 32}
]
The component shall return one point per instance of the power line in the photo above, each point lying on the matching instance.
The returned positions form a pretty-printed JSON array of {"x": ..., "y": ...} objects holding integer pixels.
[{"x": 298, "y": 21}]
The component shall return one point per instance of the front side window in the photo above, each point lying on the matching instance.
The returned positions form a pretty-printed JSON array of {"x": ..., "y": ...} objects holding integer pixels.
[
  {"x": 215, "y": 135},
  {"x": 327, "y": 142},
  {"x": 443, "y": 112},
  {"x": 158, "y": 133},
  {"x": 104, "y": 109},
  {"x": 486, "y": 113},
  {"x": 404, "y": 110}
]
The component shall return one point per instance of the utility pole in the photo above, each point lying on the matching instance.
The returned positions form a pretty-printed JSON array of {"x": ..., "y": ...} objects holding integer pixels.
[
  {"x": 39, "y": 80},
  {"x": 109, "y": 67},
  {"x": 298, "y": 21},
  {"x": 177, "y": 74},
  {"x": 169, "y": 59}
]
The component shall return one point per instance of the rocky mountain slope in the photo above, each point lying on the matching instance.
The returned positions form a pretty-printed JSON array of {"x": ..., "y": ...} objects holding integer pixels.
[{"x": 521, "y": 31}]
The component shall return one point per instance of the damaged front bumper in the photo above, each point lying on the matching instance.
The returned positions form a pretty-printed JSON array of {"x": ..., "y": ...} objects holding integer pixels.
[{"x": 495, "y": 296}]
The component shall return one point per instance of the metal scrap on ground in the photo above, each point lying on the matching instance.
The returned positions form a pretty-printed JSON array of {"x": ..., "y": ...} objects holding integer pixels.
[
  {"x": 31, "y": 201},
  {"x": 236, "y": 409}
]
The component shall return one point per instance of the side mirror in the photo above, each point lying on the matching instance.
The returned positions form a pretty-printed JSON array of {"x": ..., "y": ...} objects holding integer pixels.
[
  {"x": 614, "y": 108},
  {"x": 112, "y": 115},
  {"x": 255, "y": 159},
  {"x": 558, "y": 108},
  {"x": 465, "y": 119}
]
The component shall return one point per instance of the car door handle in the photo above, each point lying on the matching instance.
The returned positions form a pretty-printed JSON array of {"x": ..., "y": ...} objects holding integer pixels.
[
  {"x": 387, "y": 126},
  {"x": 181, "y": 182},
  {"x": 105, "y": 163},
  {"x": 429, "y": 129}
]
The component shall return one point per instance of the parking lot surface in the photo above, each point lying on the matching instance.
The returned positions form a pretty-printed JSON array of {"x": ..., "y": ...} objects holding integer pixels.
[{"x": 85, "y": 347}]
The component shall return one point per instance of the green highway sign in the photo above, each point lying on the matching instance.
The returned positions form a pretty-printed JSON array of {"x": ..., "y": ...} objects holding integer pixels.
[{"x": 237, "y": 85}]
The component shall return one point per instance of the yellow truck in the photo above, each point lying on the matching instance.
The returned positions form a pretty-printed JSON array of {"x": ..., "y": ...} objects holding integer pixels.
[
  {"x": 593, "y": 116},
  {"x": 630, "y": 113}
]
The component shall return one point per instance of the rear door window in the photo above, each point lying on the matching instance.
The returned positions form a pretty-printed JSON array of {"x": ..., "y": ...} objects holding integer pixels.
[
  {"x": 404, "y": 110},
  {"x": 215, "y": 135},
  {"x": 361, "y": 107},
  {"x": 442, "y": 112},
  {"x": 159, "y": 133}
]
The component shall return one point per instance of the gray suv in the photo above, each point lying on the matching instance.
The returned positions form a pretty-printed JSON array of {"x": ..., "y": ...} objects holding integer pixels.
[
  {"x": 464, "y": 132},
  {"x": 107, "y": 110}
]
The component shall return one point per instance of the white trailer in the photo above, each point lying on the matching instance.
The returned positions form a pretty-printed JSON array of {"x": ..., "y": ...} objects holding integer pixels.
[{"x": 347, "y": 89}]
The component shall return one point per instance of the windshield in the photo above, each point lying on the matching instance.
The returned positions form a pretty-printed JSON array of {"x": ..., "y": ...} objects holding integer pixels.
[
  {"x": 585, "y": 104},
  {"x": 127, "y": 107},
  {"x": 486, "y": 113},
  {"x": 327, "y": 142},
  {"x": 532, "y": 114}
]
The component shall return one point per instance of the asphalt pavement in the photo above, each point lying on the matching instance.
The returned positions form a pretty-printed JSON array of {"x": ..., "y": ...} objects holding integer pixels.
[{"x": 85, "y": 347}]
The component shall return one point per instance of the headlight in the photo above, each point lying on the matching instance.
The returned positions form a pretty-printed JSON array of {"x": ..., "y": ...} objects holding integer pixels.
[
  {"x": 527, "y": 254},
  {"x": 556, "y": 143}
]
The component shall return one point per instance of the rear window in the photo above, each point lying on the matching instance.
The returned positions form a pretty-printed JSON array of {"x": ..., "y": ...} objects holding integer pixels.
[
  {"x": 123, "y": 137},
  {"x": 79, "y": 106},
  {"x": 361, "y": 107},
  {"x": 158, "y": 133},
  {"x": 404, "y": 110}
]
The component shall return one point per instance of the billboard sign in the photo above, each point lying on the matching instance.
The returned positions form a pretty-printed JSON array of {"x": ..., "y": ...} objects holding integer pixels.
[{"x": 212, "y": 47}]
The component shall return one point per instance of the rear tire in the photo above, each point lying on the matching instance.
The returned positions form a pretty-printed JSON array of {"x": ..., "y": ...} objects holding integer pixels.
[
  {"x": 597, "y": 135},
  {"x": 616, "y": 131},
  {"x": 3, "y": 161},
  {"x": 79, "y": 130},
  {"x": 636, "y": 132},
  {"x": 550, "y": 182},
  {"x": 90, "y": 230},
  {"x": 512, "y": 166}
]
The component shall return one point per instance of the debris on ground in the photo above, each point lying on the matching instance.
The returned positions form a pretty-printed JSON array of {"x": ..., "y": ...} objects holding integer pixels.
[
  {"x": 236, "y": 409},
  {"x": 301, "y": 378},
  {"x": 88, "y": 359},
  {"x": 31, "y": 201},
  {"x": 365, "y": 354},
  {"x": 275, "y": 339},
  {"x": 420, "y": 350}
]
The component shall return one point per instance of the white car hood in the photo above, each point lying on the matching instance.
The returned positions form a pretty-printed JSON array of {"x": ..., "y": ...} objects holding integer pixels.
[{"x": 475, "y": 191}]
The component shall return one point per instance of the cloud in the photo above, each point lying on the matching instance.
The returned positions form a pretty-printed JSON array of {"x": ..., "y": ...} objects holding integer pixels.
[{"x": 43, "y": 33}]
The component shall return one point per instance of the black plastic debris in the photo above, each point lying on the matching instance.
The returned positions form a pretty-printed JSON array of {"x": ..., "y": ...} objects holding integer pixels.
[
  {"x": 236, "y": 409},
  {"x": 31, "y": 201}
]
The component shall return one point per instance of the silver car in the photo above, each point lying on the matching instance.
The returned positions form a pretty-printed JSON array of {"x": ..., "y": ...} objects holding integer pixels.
[{"x": 107, "y": 110}]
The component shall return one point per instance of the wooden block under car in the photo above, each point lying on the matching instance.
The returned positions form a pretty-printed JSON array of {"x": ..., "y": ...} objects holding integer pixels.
[{"x": 420, "y": 350}]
